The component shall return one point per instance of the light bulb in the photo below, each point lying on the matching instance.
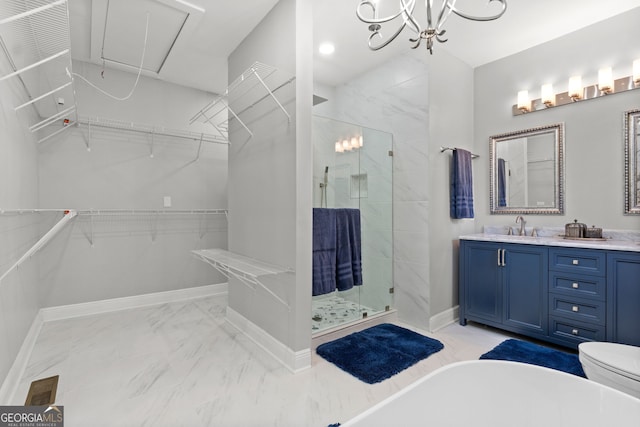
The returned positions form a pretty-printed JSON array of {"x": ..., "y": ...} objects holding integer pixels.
[
  {"x": 636, "y": 71},
  {"x": 547, "y": 95},
  {"x": 575, "y": 88},
  {"x": 524, "y": 103},
  {"x": 339, "y": 148},
  {"x": 605, "y": 80}
]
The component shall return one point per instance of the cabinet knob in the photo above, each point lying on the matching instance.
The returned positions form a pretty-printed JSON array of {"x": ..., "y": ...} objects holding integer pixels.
[
  {"x": 574, "y": 332},
  {"x": 576, "y": 262},
  {"x": 575, "y": 308},
  {"x": 575, "y": 286}
]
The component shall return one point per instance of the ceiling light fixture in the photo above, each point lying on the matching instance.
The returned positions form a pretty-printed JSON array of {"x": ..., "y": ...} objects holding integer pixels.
[
  {"x": 326, "y": 48},
  {"x": 406, "y": 18}
]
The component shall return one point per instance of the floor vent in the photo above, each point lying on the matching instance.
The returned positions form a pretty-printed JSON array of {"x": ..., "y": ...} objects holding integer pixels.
[{"x": 42, "y": 392}]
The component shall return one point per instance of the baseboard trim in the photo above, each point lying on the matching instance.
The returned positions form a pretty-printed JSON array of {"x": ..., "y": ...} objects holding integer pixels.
[
  {"x": 294, "y": 361},
  {"x": 12, "y": 380},
  {"x": 117, "y": 304},
  {"x": 443, "y": 319}
]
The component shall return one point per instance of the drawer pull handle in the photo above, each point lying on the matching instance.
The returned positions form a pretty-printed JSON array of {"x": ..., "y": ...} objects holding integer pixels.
[
  {"x": 574, "y": 332},
  {"x": 576, "y": 262},
  {"x": 575, "y": 286},
  {"x": 575, "y": 308}
]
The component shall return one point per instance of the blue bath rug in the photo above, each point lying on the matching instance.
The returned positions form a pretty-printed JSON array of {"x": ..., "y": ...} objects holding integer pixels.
[
  {"x": 534, "y": 354},
  {"x": 379, "y": 352}
]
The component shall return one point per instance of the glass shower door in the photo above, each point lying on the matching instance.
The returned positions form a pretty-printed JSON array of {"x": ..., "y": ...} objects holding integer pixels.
[{"x": 353, "y": 169}]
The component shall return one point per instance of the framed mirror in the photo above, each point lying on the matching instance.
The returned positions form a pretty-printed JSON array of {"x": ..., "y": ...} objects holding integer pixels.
[
  {"x": 526, "y": 171},
  {"x": 632, "y": 162}
]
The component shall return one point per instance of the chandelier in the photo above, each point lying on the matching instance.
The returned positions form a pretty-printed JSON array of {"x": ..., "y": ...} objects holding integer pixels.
[{"x": 405, "y": 18}]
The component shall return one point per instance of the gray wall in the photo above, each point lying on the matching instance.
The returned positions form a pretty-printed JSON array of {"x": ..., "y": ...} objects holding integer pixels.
[
  {"x": 424, "y": 102},
  {"x": 18, "y": 189},
  {"x": 141, "y": 254},
  {"x": 270, "y": 176},
  {"x": 594, "y": 128}
]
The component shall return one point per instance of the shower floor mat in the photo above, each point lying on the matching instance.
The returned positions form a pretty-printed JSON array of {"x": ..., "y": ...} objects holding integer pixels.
[{"x": 331, "y": 311}]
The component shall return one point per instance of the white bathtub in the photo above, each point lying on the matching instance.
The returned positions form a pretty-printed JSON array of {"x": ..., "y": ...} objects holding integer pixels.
[{"x": 492, "y": 393}]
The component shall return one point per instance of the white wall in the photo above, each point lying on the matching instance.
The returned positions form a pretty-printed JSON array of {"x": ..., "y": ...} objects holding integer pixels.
[
  {"x": 594, "y": 141},
  {"x": 270, "y": 176},
  {"x": 130, "y": 255},
  {"x": 18, "y": 189}
]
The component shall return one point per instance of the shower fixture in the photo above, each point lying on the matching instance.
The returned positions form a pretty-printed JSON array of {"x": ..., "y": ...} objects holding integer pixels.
[{"x": 323, "y": 188}]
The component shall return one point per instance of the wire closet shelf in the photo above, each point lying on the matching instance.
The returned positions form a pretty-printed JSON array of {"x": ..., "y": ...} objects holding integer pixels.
[
  {"x": 35, "y": 39},
  {"x": 258, "y": 82}
]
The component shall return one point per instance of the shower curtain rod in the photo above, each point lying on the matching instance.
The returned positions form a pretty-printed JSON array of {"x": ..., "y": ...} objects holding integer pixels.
[{"x": 443, "y": 149}]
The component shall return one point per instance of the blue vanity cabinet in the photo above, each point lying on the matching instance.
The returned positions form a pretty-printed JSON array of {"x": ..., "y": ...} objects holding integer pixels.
[
  {"x": 480, "y": 285},
  {"x": 504, "y": 285},
  {"x": 623, "y": 297},
  {"x": 577, "y": 295}
]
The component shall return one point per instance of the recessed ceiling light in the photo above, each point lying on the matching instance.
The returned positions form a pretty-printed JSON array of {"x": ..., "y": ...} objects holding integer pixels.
[{"x": 326, "y": 48}]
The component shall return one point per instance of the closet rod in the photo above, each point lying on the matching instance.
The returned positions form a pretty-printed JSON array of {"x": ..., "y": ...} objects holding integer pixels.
[
  {"x": 443, "y": 149},
  {"x": 68, "y": 216}
]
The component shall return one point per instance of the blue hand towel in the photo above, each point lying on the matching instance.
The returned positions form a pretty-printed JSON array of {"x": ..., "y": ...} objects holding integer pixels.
[
  {"x": 461, "y": 185},
  {"x": 502, "y": 182},
  {"x": 324, "y": 251},
  {"x": 349, "y": 249}
]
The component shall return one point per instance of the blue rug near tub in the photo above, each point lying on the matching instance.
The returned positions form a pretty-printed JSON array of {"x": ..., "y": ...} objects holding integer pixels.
[
  {"x": 379, "y": 352},
  {"x": 534, "y": 354}
]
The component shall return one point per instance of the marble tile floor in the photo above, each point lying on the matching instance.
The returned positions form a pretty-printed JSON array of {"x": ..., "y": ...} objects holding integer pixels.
[
  {"x": 181, "y": 364},
  {"x": 333, "y": 310}
]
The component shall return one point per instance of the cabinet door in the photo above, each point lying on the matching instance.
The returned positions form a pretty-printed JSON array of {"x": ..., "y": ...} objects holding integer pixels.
[
  {"x": 623, "y": 297},
  {"x": 481, "y": 293},
  {"x": 526, "y": 288}
]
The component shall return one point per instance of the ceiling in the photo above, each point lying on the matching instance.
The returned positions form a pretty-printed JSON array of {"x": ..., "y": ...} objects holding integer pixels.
[{"x": 188, "y": 42}]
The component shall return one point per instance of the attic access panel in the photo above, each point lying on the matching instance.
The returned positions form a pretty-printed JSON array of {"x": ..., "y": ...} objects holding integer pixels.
[{"x": 124, "y": 32}]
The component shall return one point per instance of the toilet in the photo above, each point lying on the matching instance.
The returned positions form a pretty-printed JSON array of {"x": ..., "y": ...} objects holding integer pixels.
[{"x": 611, "y": 364}]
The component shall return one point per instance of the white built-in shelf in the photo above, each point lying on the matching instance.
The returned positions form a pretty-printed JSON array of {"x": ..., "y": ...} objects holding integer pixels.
[
  {"x": 247, "y": 270},
  {"x": 258, "y": 82}
]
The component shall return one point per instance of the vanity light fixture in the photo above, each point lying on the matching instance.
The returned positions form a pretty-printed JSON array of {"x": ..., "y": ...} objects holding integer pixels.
[
  {"x": 548, "y": 98},
  {"x": 349, "y": 144},
  {"x": 575, "y": 88},
  {"x": 606, "y": 85},
  {"x": 368, "y": 11},
  {"x": 605, "y": 80},
  {"x": 524, "y": 103}
]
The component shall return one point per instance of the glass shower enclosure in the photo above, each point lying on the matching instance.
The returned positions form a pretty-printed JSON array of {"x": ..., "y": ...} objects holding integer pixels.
[{"x": 353, "y": 168}]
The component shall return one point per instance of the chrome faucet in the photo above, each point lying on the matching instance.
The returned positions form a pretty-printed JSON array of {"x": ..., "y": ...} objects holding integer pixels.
[{"x": 522, "y": 222}]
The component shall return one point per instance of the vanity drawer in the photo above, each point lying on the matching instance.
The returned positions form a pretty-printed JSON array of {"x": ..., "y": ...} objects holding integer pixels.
[
  {"x": 584, "y": 286},
  {"x": 581, "y": 261},
  {"x": 581, "y": 309},
  {"x": 564, "y": 330}
]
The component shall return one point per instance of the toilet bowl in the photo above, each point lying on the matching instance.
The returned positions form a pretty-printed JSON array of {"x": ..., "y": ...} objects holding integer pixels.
[{"x": 613, "y": 365}]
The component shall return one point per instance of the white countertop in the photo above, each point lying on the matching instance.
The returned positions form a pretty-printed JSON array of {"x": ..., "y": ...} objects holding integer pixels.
[{"x": 607, "y": 244}]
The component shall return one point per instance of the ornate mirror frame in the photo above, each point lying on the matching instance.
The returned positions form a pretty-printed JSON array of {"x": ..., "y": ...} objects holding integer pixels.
[
  {"x": 631, "y": 160},
  {"x": 558, "y": 209}
]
